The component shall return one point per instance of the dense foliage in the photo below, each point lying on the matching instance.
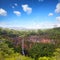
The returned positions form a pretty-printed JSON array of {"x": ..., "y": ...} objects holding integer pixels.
[
  {"x": 41, "y": 50},
  {"x": 11, "y": 44}
]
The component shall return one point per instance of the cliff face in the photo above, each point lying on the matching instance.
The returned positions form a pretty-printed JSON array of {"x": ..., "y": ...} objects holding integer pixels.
[
  {"x": 28, "y": 40},
  {"x": 39, "y": 39}
]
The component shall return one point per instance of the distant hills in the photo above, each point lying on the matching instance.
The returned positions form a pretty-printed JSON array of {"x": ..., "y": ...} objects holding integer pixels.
[{"x": 22, "y": 28}]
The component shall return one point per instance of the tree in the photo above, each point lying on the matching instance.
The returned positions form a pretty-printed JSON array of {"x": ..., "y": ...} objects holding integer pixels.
[
  {"x": 40, "y": 50},
  {"x": 5, "y": 51},
  {"x": 57, "y": 54}
]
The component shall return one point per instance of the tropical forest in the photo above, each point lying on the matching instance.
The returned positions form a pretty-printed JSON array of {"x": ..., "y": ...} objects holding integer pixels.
[{"x": 30, "y": 44}]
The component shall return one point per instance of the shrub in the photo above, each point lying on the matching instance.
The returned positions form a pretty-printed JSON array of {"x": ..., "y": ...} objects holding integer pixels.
[{"x": 47, "y": 58}]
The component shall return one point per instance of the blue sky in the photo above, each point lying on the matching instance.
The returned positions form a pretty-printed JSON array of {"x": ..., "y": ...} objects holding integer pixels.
[{"x": 32, "y": 14}]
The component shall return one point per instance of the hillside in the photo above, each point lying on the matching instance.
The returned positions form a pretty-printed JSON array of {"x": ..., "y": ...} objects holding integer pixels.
[{"x": 12, "y": 41}]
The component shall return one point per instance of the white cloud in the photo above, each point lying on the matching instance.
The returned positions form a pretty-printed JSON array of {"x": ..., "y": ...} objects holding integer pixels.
[
  {"x": 3, "y": 24},
  {"x": 16, "y": 4},
  {"x": 58, "y": 22},
  {"x": 3, "y": 12},
  {"x": 17, "y": 13},
  {"x": 27, "y": 9},
  {"x": 58, "y": 18},
  {"x": 50, "y": 14},
  {"x": 57, "y": 10},
  {"x": 57, "y": 25},
  {"x": 41, "y": 25}
]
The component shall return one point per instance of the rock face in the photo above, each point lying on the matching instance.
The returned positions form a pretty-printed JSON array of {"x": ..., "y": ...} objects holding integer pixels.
[
  {"x": 38, "y": 39},
  {"x": 30, "y": 40}
]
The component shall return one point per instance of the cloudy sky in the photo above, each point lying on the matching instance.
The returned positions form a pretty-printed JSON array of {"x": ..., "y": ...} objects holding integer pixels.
[{"x": 32, "y": 14}]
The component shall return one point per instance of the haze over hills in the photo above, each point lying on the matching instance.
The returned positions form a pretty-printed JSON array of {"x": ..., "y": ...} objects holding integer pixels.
[{"x": 22, "y": 28}]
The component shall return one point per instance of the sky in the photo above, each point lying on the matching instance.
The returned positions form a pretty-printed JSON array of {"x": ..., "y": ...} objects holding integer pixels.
[{"x": 31, "y": 14}]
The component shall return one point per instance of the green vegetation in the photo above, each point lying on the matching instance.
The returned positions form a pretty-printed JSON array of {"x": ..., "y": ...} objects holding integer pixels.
[
  {"x": 41, "y": 50},
  {"x": 11, "y": 44}
]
